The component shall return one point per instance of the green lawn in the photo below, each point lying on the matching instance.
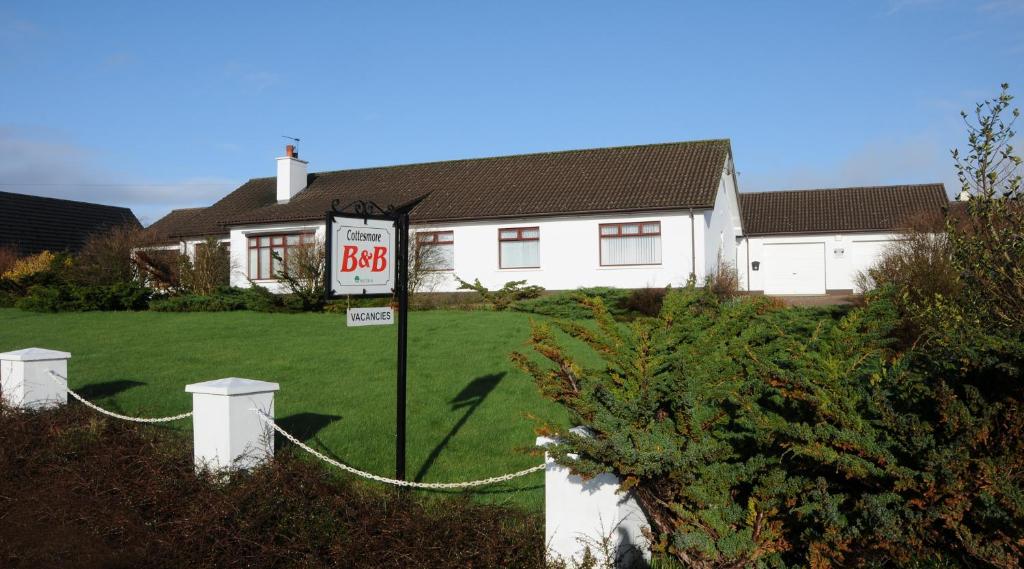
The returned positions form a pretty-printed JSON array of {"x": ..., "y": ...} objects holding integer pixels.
[{"x": 467, "y": 404}]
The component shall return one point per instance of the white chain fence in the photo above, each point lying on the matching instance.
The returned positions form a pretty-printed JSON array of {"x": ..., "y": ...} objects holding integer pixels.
[
  {"x": 57, "y": 377},
  {"x": 403, "y": 483},
  {"x": 273, "y": 424}
]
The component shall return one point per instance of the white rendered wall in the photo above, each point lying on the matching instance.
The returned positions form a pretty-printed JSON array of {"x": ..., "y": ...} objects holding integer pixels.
[
  {"x": 845, "y": 255},
  {"x": 240, "y": 248},
  {"x": 722, "y": 226},
  {"x": 569, "y": 252}
]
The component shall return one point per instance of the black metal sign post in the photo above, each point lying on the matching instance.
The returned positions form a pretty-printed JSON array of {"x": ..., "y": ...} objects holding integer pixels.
[
  {"x": 400, "y": 217},
  {"x": 403, "y": 340}
]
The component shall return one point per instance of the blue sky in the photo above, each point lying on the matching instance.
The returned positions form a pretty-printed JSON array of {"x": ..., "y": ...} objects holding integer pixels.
[{"x": 157, "y": 105}]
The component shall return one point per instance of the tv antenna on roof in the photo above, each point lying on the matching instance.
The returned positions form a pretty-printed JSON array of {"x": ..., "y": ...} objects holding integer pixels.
[{"x": 293, "y": 139}]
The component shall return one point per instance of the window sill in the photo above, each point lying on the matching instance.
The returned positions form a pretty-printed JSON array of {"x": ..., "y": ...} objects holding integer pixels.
[
  {"x": 628, "y": 267},
  {"x": 519, "y": 269}
]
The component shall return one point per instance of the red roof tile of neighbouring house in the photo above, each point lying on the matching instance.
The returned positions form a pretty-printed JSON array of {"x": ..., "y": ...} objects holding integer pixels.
[{"x": 879, "y": 208}]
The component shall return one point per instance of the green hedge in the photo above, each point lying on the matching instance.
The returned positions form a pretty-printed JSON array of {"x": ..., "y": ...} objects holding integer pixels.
[
  {"x": 567, "y": 305},
  {"x": 66, "y": 297}
]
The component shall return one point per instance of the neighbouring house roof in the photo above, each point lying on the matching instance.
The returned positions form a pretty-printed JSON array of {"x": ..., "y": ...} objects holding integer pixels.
[
  {"x": 880, "y": 208},
  {"x": 666, "y": 176},
  {"x": 33, "y": 224}
]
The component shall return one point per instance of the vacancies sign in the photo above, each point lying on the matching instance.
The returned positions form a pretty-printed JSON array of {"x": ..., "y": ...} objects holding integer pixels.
[
  {"x": 371, "y": 316},
  {"x": 362, "y": 256}
]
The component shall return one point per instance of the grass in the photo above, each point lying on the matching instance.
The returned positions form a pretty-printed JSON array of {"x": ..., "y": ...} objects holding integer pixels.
[{"x": 468, "y": 407}]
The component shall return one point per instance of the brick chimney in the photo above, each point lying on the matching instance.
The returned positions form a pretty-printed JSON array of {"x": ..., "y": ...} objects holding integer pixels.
[{"x": 291, "y": 175}]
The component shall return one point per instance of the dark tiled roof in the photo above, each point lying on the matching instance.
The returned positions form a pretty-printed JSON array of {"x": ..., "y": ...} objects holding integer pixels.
[
  {"x": 881, "y": 208},
  {"x": 33, "y": 224},
  {"x": 164, "y": 230},
  {"x": 630, "y": 178}
]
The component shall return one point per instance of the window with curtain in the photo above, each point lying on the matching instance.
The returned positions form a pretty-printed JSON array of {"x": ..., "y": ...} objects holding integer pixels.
[
  {"x": 262, "y": 264},
  {"x": 436, "y": 249},
  {"x": 519, "y": 248},
  {"x": 631, "y": 243}
]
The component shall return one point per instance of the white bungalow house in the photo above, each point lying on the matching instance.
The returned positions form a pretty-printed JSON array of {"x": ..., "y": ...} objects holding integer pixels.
[{"x": 629, "y": 217}]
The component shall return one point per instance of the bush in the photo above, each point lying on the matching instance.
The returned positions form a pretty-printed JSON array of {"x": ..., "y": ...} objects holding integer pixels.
[
  {"x": 303, "y": 276},
  {"x": 92, "y": 492},
  {"x": 567, "y": 304},
  {"x": 208, "y": 271},
  {"x": 255, "y": 298},
  {"x": 107, "y": 257},
  {"x": 758, "y": 436},
  {"x": 159, "y": 268},
  {"x": 918, "y": 263},
  {"x": 445, "y": 300},
  {"x": 724, "y": 280},
  {"x": 28, "y": 267},
  {"x": 199, "y": 303},
  {"x": 64, "y": 297},
  {"x": 744, "y": 430},
  {"x": 645, "y": 301},
  {"x": 503, "y": 298},
  {"x": 8, "y": 258},
  {"x": 961, "y": 420}
]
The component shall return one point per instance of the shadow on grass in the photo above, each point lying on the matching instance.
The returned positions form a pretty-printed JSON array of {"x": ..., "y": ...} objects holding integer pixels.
[
  {"x": 305, "y": 427},
  {"x": 107, "y": 388},
  {"x": 470, "y": 399}
]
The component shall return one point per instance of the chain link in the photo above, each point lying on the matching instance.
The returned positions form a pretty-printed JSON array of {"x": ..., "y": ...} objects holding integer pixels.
[
  {"x": 57, "y": 377},
  {"x": 403, "y": 483}
]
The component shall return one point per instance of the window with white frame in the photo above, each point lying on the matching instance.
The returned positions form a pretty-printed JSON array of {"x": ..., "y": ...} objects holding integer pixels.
[
  {"x": 435, "y": 250},
  {"x": 519, "y": 248},
  {"x": 262, "y": 264},
  {"x": 636, "y": 243}
]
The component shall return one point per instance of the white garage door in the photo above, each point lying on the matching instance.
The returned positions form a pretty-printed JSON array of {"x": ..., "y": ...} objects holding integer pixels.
[{"x": 794, "y": 268}]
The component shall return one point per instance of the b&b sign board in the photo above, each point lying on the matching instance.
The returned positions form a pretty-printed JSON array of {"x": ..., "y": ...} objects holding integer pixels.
[{"x": 362, "y": 255}]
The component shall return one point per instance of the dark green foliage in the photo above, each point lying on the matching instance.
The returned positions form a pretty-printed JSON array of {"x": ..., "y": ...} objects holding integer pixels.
[
  {"x": 503, "y": 298},
  {"x": 223, "y": 300},
  {"x": 260, "y": 299},
  {"x": 62, "y": 288},
  {"x": 69, "y": 297},
  {"x": 567, "y": 304},
  {"x": 748, "y": 432},
  {"x": 81, "y": 491},
  {"x": 893, "y": 435},
  {"x": 645, "y": 301},
  {"x": 964, "y": 419}
]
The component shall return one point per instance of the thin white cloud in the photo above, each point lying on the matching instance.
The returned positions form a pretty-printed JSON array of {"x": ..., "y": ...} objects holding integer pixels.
[
  {"x": 120, "y": 59},
  {"x": 913, "y": 160},
  {"x": 896, "y": 6},
  {"x": 251, "y": 78},
  {"x": 1002, "y": 6},
  {"x": 42, "y": 163},
  {"x": 14, "y": 30}
]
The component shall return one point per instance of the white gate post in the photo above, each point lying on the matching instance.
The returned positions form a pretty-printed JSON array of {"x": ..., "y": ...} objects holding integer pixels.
[
  {"x": 591, "y": 514},
  {"x": 228, "y": 431},
  {"x": 25, "y": 380}
]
